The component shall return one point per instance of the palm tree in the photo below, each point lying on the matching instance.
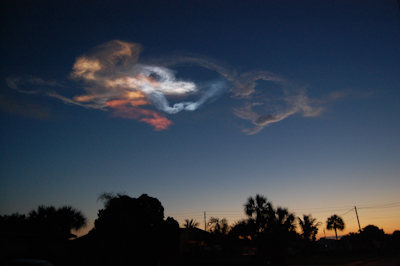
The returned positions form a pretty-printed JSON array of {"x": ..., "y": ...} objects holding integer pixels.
[
  {"x": 106, "y": 197},
  {"x": 309, "y": 227},
  {"x": 245, "y": 228},
  {"x": 261, "y": 210},
  {"x": 70, "y": 218},
  {"x": 43, "y": 213},
  {"x": 190, "y": 223},
  {"x": 218, "y": 226},
  {"x": 57, "y": 221},
  {"x": 335, "y": 222},
  {"x": 44, "y": 217},
  {"x": 284, "y": 220}
]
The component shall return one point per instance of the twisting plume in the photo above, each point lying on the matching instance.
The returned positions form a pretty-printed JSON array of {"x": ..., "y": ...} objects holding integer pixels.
[{"x": 113, "y": 79}]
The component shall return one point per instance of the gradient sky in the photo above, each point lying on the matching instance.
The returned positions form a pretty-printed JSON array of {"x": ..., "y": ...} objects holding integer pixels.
[{"x": 296, "y": 100}]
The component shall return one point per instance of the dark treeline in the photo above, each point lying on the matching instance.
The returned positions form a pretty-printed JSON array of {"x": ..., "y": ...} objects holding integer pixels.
[{"x": 133, "y": 231}]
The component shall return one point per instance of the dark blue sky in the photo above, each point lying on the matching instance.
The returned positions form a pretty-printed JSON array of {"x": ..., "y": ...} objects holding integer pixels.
[{"x": 308, "y": 113}]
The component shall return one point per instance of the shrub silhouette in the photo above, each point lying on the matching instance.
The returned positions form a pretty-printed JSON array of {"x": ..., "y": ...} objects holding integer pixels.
[{"x": 132, "y": 230}]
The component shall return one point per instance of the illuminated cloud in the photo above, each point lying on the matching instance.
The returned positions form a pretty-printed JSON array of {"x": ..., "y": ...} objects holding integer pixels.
[
  {"x": 244, "y": 86},
  {"x": 294, "y": 101},
  {"x": 114, "y": 80}
]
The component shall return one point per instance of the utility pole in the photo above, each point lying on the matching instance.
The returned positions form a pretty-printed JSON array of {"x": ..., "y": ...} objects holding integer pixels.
[
  {"x": 205, "y": 222},
  {"x": 355, "y": 208}
]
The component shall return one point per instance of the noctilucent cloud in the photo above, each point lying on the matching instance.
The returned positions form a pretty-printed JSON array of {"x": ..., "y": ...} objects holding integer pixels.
[
  {"x": 114, "y": 79},
  {"x": 203, "y": 104}
]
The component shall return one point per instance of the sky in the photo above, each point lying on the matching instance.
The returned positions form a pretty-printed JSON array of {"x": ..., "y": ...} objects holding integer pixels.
[{"x": 202, "y": 104}]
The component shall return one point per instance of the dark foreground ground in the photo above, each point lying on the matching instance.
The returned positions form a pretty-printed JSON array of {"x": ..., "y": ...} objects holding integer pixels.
[
  {"x": 389, "y": 261},
  {"x": 348, "y": 260},
  {"x": 316, "y": 261}
]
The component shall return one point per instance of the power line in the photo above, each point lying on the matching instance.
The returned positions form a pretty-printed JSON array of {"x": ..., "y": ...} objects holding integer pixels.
[
  {"x": 351, "y": 219},
  {"x": 346, "y": 212},
  {"x": 370, "y": 208},
  {"x": 382, "y": 205},
  {"x": 386, "y": 217}
]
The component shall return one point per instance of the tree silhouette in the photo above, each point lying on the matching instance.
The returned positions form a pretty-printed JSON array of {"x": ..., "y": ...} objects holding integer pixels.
[
  {"x": 70, "y": 218},
  {"x": 130, "y": 229},
  {"x": 218, "y": 226},
  {"x": 13, "y": 218},
  {"x": 43, "y": 213},
  {"x": 372, "y": 230},
  {"x": 14, "y": 224},
  {"x": 106, "y": 197},
  {"x": 190, "y": 223},
  {"x": 334, "y": 223},
  {"x": 284, "y": 221},
  {"x": 245, "y": 228},
  {"x": 122, "y": 213},
  {"x": 59, "y": 221},
  {"x": 42, "y": 233},
  {"x": 309, "y": 227},
  {"x": 270, "y": 229},
  {"x": 261, "y": 210}
]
